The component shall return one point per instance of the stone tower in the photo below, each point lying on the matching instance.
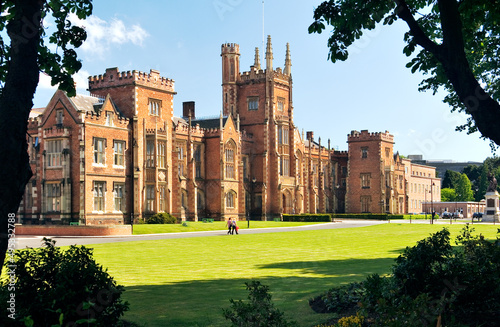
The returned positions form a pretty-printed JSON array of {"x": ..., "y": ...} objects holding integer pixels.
[{"x": 230, "y": 53}]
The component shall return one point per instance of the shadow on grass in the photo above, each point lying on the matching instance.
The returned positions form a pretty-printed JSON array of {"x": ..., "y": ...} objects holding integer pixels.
[{"x": 199, "y": 303}]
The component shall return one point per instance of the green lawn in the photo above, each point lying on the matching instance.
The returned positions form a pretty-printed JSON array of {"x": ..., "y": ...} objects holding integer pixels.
[
  {"x": 187, "y": 282},
  {"x": 200, "y": 226}
]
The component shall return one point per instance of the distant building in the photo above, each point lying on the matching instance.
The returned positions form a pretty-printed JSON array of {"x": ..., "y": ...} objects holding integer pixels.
[{"x": 443, "y": 165}]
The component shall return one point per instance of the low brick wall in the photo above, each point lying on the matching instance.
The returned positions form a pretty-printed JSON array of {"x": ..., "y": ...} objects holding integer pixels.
[{"x": 65, "y": 230}]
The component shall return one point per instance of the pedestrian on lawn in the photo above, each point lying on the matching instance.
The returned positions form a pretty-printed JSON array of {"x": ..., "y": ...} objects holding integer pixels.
[{"x": 229, "y": 226}]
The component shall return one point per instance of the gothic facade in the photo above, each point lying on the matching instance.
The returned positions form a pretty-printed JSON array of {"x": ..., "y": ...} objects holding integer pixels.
[{"x": 120, "y": 154}]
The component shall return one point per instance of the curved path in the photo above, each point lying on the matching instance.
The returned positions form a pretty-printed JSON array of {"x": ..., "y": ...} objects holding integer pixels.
[{"x": 23, "y": 241}]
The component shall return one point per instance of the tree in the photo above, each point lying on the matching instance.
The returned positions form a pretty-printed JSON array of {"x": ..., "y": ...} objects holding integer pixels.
[
  {"x": 450, "y": 179},
  {"x": 20, "y": 64},
  {"x": 464, "y": 190},
  {"x": 459, "y": 43},
  {"x": 448, "y": 195}
]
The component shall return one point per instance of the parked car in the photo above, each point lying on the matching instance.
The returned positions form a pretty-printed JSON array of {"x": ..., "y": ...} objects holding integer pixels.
[
  {"x": 446, "y": 214},
  {"x": 477, "y": 215},
  {"x": 457, "y": 215}
]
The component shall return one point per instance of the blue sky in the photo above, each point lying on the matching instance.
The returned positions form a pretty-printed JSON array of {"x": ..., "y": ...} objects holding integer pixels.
[{"x": 372, "y": 90}]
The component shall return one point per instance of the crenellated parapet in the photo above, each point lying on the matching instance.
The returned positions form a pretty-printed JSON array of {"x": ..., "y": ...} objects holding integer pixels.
[
  {"x": 56, "y": 131},
  {"x": 98, "y": 117},
  {"x": 364, "y": 135},
  {"x": 230, "y": 48},
  {"x": 33, "y": 123},
  {"x": 113, "y": 77}
]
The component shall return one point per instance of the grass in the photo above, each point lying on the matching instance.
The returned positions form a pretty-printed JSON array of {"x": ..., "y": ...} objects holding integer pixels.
[
  {"x": 187, "y": 282},
  {"x": 140, "y": 229}
]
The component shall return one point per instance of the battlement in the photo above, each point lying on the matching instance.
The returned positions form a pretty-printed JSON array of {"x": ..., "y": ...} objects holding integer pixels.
[
  {"x": 33, "y": 123},
  {"x": 364, "y": 135},
  {"x": 230, "y": 48},
  {"x": 253, "y": 74},
  {"x": 337, "y": 153},
  {"x": 113, "y": 77},
  {"x": 56, "y": 131},
  {"x": 92, "y": 115}
]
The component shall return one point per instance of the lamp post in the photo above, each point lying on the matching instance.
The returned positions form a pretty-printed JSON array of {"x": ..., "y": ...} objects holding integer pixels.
[
  {"x": 432, "y": 205},
  {"x": 252, "y": 209}
]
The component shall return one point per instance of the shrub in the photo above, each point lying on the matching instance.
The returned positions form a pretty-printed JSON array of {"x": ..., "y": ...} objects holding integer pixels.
[
  {"x": 259, "y": 311},
  {"x": 161, "y": 218},
  {"x": 52, "y": 287},
  {"x": 307, "y": 218}
]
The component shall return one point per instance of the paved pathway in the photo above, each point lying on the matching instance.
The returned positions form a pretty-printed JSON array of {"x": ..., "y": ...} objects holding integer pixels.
[{"x": 36, "y": 241}]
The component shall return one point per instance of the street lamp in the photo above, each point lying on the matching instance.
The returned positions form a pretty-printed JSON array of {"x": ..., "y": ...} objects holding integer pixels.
[
  {"x": 432, "y": 205},
  {"x": 252, "y": 209}
]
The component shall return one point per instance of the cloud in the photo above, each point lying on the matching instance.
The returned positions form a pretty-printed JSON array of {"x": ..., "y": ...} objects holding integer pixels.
[
  {"x": 81, "y": 79},
  {"x": 102, "y": 35}
]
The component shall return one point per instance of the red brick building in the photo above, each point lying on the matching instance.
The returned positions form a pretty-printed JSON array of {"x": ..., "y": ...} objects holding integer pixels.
[{"x": 120, "y": 154}]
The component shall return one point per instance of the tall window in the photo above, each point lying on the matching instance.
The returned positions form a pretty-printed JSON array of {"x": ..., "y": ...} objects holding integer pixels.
[
  {"x": 99, "y": 191},
  {"x": 53, "y": 197},
  {"x": 197, "y": 161},
  {"x": 281, "y": 104},
  {"x": 99, "y": 148},
  {"x": 365, "y": 203},
  {"x": 253, "y": 103},
  {"x": 181, "y": 157},
  {"x": 229, "y": 161},
  {"x": 119, "y": 153},
  {"x": 59, "y": 117},
  {"x": 118, "y": 194},
  {"x": 364, "y": 152},
  {"x": 109, "y": 118},
  {"x": 230, "y": 197},
  {"x": 150, "y": 198},
  {"x": 161, "y": 154},
  {"x": 154, "y": 107},
  {"x": 54, "y": 153},
  {"x": 150, "y": 154},
  {"x": 365, "y": 180},
  {"x": 284, "y": 166},
  {"x": 162, "y": 198}
]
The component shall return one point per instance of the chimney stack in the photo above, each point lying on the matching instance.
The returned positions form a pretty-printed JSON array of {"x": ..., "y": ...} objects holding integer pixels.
[{"x": 188, "y": 109}]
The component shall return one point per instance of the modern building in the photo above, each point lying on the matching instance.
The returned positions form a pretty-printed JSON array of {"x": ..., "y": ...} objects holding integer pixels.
[{"x": 120, "y": 154}]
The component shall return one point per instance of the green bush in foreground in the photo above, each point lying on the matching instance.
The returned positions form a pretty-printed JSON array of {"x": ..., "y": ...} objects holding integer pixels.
[
  {"x": 432, "y": 284},
  {"x": 259, "y": 311},
  {"x": 49, "y": 287},
  {"x": 161, "y": 218}
]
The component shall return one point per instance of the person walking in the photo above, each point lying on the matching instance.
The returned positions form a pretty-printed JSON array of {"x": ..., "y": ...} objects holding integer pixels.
[
  {"x": 235, "y": 227},
  {"x": 229, "y": 226}
]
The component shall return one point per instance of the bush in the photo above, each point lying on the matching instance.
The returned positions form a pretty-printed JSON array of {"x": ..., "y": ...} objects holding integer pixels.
[
  {"x": 52, "y": 287},
  {"x": 259, "y": 311},
  {"x": 161, "y": 218},
  {"x": 434, "y": 284}
]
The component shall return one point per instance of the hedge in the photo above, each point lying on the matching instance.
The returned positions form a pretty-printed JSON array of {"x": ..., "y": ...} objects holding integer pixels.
[{"x": 308, "y": 218}]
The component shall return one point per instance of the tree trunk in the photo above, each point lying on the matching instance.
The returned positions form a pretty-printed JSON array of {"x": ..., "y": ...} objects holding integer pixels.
[{"x": 16, "y": 101}]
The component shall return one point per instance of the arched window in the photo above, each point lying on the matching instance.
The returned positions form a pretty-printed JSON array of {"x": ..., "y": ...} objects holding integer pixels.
[
  {"x": 230, "y": 199},
  {"x": 230, "y": 151}
]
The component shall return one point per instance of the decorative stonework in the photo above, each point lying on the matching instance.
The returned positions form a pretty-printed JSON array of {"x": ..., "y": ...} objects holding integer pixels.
[{"x": 492, "y": 212}]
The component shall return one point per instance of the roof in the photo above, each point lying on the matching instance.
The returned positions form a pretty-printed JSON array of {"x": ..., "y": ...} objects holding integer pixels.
[
  {"x": 35, "y": 112},
  {"x": 209, "y": 122},
  {"x": 85, "y": 102}
]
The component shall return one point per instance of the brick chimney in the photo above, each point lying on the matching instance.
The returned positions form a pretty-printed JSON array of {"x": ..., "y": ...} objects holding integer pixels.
[
  {"x": 310, "y": 135},
  {"x": 188, "y": 109}
]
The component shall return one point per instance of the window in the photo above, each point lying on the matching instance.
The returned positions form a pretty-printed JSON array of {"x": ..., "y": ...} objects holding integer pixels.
[
  {"x": 364, "y": 152},
  {"x": 118, "y": 194},
  {"x": 150, "y": 198},
  {"x": 365, "y": 180},
  {"x": 184, "y": 197},
  {"x": 154, "y": 107},
  {"x": 253, "y": 103},
  {"x": 118, "y": 153},
  {"x": 281, "y": 104},
  {"x": 53, "y": 197},
  {"x": 99, "y": 191},
  {"x": 230, "y": 199},
  {"x": 59, "y": 117},
  {"x": 284, "y": 166},
  {"x": 109, "y": 118},
  {"x": 197, "y": 161},
  {"x": 54, "y": 153},
  {"x": 181, "y": 157},
  {"x": 161, "y": 154},
  {"x": 161, "y": 198},
  {"x": 387, "y": 152},
  {"x": 282, "y": 135},
  {"x": 365, "y": 203},
  {"x": 230, "y": 162},
  {"x": 150, "y": 154},
  {"x": 99, "y": 154}
]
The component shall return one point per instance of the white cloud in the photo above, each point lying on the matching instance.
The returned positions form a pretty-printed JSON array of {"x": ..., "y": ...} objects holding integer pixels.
[
  {"x": 101, "y": 34},
  {"x": 81, "y": 79}
]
